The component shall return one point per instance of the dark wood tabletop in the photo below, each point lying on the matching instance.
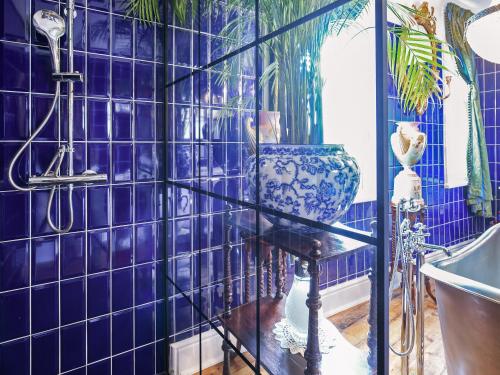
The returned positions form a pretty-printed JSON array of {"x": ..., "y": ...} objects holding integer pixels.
[{"x": 295, "y": 242}]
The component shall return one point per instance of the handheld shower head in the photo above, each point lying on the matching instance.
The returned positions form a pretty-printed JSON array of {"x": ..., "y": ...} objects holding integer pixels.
[{"x": 52, "y": 25}]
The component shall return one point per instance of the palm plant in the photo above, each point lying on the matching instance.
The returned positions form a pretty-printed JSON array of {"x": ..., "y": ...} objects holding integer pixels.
[{"x": 291, "y": 74}]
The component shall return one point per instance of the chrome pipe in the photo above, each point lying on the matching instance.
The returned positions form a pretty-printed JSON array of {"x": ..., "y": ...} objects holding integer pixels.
[
  {"x": 419, "y": 312},
  {"x": 51, "y": 180},
  {"x": 406, "y": 322}
]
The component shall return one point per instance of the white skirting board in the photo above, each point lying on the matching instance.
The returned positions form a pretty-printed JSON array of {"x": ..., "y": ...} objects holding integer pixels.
[{"x": 184, "y": 355}]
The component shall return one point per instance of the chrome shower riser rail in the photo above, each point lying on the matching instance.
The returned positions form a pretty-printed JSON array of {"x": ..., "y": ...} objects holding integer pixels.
[{"x": 67, "y": 180}]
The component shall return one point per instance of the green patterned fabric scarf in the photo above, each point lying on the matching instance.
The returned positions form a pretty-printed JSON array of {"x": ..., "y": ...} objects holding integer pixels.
[{"x": 479, "y": 189}]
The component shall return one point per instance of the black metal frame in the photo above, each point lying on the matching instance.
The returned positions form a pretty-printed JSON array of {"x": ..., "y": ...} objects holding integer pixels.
[{"x": 380, "y": 241}]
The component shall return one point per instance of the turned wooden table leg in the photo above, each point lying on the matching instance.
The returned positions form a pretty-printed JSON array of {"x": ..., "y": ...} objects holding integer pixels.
[
  {"x": 280, "y": 281},
  {"x": 270, "y": 273},
  {"x": 248, "y": 252},
  {"x": 313, "y": 302},
  {"x": 228, "y": 293}
]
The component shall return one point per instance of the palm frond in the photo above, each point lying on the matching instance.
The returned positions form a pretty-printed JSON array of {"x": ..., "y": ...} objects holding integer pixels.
[
  {"x": 414, "y": 62},
  {"x": 147, "y": 11}
]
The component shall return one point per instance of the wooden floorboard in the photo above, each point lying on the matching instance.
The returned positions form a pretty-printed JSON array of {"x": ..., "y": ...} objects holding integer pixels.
[{"x": 353, "y": 325}]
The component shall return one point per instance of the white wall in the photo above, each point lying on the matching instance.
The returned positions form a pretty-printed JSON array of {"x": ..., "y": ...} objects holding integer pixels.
[
  {"x": 349, "y": 108},
  {"x": 348, "y": 70}
]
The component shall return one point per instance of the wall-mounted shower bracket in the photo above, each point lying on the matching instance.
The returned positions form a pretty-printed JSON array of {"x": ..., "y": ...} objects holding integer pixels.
[{"x": 68, "y": 76}]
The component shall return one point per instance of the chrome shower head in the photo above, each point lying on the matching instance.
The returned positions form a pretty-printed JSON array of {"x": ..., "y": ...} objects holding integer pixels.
[{"x": 52, "y": 25}]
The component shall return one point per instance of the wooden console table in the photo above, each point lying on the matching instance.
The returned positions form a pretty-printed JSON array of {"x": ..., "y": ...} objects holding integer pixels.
[{"x": 241, "y": 322}]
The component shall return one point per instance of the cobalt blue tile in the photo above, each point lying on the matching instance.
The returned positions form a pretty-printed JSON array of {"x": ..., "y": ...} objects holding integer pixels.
[
  {"x": 72, "y": 255},
  {"x": 160, "y": 319},
  {"x": 123, "y": 364},
  {"x": 98, "y": 256},
  {"x": 78, "y": 159},
  {"x": 144, "y": 276},
  {"x": 122, "y": 36},
  {"x": 15, "y": 357},
  {"x": 72, "y": 300},
  {"x": 160, "y": 126},
  {"x": 98, "y": 295},
  {"x": 78, "y": 371},
  {"x": 14, "y": 26},
  {"x": 73, "y": 346},
  {"x": 13, "y": 116},
  {"x": 14, "y": 265},
  {"x": 122, "y": 162},
  {"x": 78, "y": 197},
  {"x": 184, "y": 313},
  {"x": 182, "y": 232},
  {"x": 14, "y": 314},
  {"x": 100, "y": 368},
  {"x": 44, "y": 259},
  {"x": 183, "y": 89},
  {"x": 78, "y": 119},
  {"x": 98, "y": 72},
  {"x": 144, "y": 41},
  {"x": 182, "y": 47},
  {"x": 159, "y": 161},
  {"x": 122, "y": 204},
  {"x": 160, "y": 84},
  {"x": 144, "y": 80},
  {"x": 14, "y": 66},
  {"x": 145, "y": 360},
  {"x": 160, "y": 38},
  {"x": 40, "y": 105},
  {"x": 44, "y": 307},
  {"x": 144, "y": 243},
  {"x": 41, "y": 156},
  {"x": 79, "y": 31},
  {"x": 122, "y": 121},
  {"x": 98, "y": 157},
  {"x": 183, "y": 167},
  {"x": 144, "y": 202},
  {"x": 122, "y": 79},
  {"x": 145, "y": 161},
  {"x": 41, "y": 70},
  {"x": 97, "y": 118},
  {"x": 122, "y": 282},
  {"x": 144, "y": 121},
  {"x": 99, "y": 4},
  {"x": 98, "y": 31},
  {"x": 98, "y": 340},
  {"x": 144, "y": 324},
  {"x": 122, "y": 247},
  {"x": 160, "y": 357},
  {"x": 183, "y": 273},
  {"x": 20, "y": 170},
  {"x": 183, "y": 123},
  {"x": 97, "y": 207},
  {"x": 122, "y": 331},
  {"x": 45, "y": 353},
  {"x": 160, "y": 280}
]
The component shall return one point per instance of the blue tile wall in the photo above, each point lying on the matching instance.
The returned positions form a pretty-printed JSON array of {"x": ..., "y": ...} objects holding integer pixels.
[
  {"x": 195, "y": 145},
  {"x": 89, "y": 301}
]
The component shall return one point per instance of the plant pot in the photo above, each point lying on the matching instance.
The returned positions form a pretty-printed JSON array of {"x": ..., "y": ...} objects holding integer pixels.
[{"x": 315, "y": 182}]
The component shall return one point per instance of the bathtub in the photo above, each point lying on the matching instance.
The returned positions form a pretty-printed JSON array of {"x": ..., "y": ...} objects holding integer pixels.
[{"x": 468, "y": 298}]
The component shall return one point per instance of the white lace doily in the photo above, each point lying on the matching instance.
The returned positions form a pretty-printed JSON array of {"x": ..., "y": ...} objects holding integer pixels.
[{"x": 296, "y": 342}]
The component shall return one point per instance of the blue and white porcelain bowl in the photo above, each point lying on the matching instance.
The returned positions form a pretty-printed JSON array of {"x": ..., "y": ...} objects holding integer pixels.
[{"x": 316, "y": 182}]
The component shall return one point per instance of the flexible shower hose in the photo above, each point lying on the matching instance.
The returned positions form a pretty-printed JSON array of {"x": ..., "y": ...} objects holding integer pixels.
[
  {"x": 58, "y": 159},
  {"x": 406, "y": 265}
]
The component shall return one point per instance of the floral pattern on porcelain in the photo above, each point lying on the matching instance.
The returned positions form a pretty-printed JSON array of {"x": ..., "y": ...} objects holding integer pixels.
[{"x": 316, "y": 182}]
